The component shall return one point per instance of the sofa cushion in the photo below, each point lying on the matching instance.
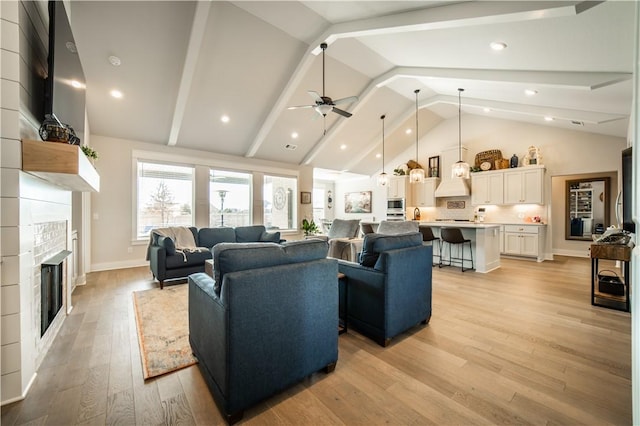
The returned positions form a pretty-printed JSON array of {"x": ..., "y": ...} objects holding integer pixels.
[
  {"x": 209, "y": 237},
  {"x": 374, "y": 244},
  {"x": 390, "y": 227},
  {"x": 342, "y": 228},
  {"x": 270, "y": 237},
  {"x": 249, "y": 234},
  {"x": 244, "y": 256},
  {"x": 168, "y": 244},
  {"x": 189, "y": 259}
]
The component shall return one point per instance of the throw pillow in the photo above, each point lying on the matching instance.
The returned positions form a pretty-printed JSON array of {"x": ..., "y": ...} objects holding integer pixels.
[
  {"x": 168, "y": 245},
  {"x": 270, "y": 237}
]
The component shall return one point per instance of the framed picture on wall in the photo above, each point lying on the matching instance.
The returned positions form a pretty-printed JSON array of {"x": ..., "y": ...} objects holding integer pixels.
[
  {"x": 357, "y": 202},
  {"x": 434, "y": 166},
  {"x": 305, "y": 198}
]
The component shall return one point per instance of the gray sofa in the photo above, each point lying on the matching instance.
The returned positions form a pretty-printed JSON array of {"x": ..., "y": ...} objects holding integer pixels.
[
  {"x": 389, "y": 291},
  {"x": 268, "y": 320},
  {"x": 166, "y": 263}
]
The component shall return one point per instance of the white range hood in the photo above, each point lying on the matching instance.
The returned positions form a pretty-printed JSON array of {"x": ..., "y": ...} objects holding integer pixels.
[{"x": 453, "y": 187}]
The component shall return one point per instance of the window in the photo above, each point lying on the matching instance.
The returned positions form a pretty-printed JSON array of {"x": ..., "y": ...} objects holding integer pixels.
[
  {"x": 318, "y": 205},
  {"x": 280, "y": 202},
  {"x": 165, "y": 196},
  {"x": 229, "y": 198}
]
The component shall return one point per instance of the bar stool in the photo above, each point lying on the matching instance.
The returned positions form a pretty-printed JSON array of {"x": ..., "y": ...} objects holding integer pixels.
[
  {"x": 427, "y": 236},
  {"x": 454, "y": 236}
]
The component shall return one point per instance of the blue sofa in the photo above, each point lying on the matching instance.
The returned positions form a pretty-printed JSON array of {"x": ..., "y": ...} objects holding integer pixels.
[
  {"x": 268, "y": 320},
  {"x": 166, "y": 263},
  {"x": 389, "y": 291}
]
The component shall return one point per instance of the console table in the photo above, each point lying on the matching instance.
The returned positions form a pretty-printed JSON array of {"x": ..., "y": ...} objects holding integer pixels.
[{"x": 620, "y": 253}]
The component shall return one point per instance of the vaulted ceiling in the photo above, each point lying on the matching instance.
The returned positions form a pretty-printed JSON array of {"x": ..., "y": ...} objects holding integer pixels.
[{"x": 186, "y": 64}]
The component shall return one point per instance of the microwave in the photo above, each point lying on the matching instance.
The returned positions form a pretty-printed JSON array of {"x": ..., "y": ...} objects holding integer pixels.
[{"x": 395, "y": 204}]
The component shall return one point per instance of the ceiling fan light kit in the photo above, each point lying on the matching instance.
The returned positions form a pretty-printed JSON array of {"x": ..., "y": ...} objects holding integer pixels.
[
  {"x": 416, "y": 175},
  {"x": 460, "y": 169},
  {"x": 383, "y": 178},
  {"x": 324, "y": 104}
]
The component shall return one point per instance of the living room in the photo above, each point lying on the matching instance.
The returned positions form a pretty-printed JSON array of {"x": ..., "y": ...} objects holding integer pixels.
[{"x": 110, "y": 239}]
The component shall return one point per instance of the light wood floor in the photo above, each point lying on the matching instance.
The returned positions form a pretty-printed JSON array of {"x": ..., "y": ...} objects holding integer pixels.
[{"x": 518, "y": 345}]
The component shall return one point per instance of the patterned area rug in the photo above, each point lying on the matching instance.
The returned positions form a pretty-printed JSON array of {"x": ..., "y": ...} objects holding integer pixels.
[{"x": 162, "y": 317}]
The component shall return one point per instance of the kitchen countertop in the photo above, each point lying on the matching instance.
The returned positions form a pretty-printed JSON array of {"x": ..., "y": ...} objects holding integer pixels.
[{"x": 473, "y": 225}]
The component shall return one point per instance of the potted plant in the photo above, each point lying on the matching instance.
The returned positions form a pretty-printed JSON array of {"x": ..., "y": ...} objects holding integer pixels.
[
  {"x": 89, "y": 152},
  {"x": 309, "y": 227}
]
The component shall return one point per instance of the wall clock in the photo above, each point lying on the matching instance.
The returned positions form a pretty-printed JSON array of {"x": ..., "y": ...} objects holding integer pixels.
[{"x": 279, "y": 198}]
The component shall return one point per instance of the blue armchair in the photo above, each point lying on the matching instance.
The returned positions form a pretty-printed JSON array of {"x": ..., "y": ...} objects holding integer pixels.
[
  {"x": 268, "y": 319},
  {"x": 390, "y": 290}
]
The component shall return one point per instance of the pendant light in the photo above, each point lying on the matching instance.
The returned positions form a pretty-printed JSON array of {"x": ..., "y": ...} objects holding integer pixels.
[
  {"x": 460, "y": 169},
  {"x": 416, "y": 175},
  {"x": 383, "y": 178}
]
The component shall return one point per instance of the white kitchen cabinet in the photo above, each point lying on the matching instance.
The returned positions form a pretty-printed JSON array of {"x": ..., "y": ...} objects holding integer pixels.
[
  {"x": 487, "y": 188},
  {"x": 501, "y": 239},
  {"x": 399, "y": 188},
  {"x": 524, "y": 186},
  {"x": 424, "y": 193},
  {"x": 522, "y": 240}
]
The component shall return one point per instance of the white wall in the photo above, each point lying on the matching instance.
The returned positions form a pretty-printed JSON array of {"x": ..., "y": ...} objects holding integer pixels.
[
  {"x": 112, "y": 234},
  {"x": 564, "y": 152}
]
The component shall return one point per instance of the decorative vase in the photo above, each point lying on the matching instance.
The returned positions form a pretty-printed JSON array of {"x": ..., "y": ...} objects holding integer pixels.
[{"x": 513, "y": 163}]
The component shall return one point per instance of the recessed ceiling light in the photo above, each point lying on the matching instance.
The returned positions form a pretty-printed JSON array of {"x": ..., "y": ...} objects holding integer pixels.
[
  {"x": 343, "y": 147},
  {"x": 408, "y": 131},
  {"x": 530, "y": 92},
  {"x": 378, "y": 155},
  {"x": 225, "y": 118},
  {"x": 116, "y": 93},
  {"x": 498, "y": 45},
  {"x": 547, "y": 118},
  {"x": 487, "y": 109},
  {"x": 114, "y": 60},
  {"x": 76, "y": 84},
  {"x": 294, "y": 135}
]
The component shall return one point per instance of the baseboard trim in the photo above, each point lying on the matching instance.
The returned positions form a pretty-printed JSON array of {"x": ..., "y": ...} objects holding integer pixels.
[
  {"x": 108, "y": 266},
  {"x": 571, "y": 253},
  {"x": 24, "y": 393}
]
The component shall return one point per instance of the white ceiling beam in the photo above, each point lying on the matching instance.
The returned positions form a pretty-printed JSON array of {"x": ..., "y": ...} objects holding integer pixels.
[
  {"x": 457, "y": 15},
  {"x": 198, "y": 28},
  {"x": 559, "y": 79}
]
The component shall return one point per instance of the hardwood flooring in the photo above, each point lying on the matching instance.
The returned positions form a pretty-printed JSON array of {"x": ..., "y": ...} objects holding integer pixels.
[{"x": 518, "y": 345}]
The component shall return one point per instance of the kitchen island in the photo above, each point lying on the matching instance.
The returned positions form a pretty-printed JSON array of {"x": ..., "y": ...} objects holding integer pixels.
[{"x": 485, "y": 243}]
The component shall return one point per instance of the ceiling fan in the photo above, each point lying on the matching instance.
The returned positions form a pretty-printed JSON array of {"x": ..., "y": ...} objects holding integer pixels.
[{"x": 324, "y": 104}]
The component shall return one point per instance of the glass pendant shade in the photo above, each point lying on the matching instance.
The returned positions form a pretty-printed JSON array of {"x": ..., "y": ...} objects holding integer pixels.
[
  {"x": 383, "y": 178},
  {"x": 416, "y": 175},
  {"x": 460, "y": 169}
]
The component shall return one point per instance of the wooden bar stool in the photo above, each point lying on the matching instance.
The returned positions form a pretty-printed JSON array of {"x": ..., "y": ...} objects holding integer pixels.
[
  {"x": 427, "y": 236},
  {"x": 453, "y": 236}
]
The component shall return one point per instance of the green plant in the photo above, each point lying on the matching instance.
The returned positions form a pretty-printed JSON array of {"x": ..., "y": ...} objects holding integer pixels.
[
  {"x": 89, "y": 152},
  {"x": 309, "y": 227}
]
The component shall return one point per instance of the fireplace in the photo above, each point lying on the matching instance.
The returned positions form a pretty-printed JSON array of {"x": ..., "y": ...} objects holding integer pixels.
[{"x": 51, "y": 288}]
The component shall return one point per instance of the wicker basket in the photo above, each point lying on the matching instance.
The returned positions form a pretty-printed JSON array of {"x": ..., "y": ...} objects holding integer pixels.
[
  {"x": 502, "y": 163},
  {"x": 488, "y": 156}
]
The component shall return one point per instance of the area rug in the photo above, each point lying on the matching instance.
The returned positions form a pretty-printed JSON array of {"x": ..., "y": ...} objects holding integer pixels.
[{"x": 162, "y": 318}]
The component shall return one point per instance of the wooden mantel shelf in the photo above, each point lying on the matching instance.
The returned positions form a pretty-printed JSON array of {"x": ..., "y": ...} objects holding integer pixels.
[{"x": 60, "y": 164}]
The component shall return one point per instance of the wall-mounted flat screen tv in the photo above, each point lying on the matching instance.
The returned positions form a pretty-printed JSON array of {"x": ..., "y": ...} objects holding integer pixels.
[{"x": 64, "y": 91}]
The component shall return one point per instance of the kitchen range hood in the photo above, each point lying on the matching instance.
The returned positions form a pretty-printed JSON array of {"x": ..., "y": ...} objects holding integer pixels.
[{"x": 453, "y": 187}]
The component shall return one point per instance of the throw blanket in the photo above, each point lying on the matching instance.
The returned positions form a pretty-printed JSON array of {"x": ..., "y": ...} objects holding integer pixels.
[{"x": 182, "y": 237}]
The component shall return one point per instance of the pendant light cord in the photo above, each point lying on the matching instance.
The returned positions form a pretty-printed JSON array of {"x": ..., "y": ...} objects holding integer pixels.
[
  {"x": 416, "y": 92},
  {"x": 382, "y": 118},
  {"x": 459, "y": 125}
]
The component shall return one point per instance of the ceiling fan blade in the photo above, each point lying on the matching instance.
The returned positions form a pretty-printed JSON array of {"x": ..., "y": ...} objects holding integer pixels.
[
  {"x": 316, "y": 97},
  {"x": 300, "y": 106},
  {"x": 342, "y": 112},
  {"x": 346, "y": 100}
]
